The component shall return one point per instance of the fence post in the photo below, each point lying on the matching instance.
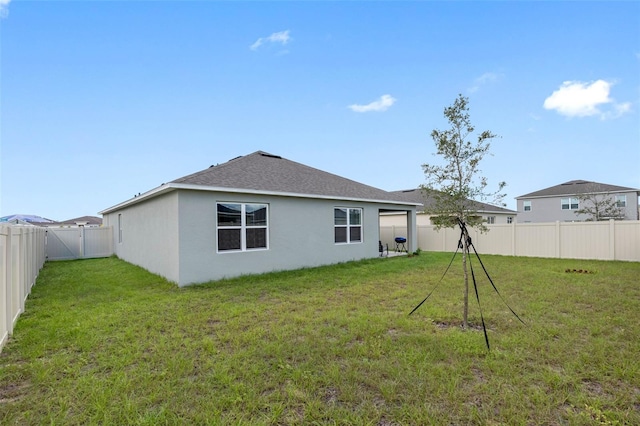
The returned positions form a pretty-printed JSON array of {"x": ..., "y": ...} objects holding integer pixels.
[
  {"x": 23, "y": 261},
  {"x": 444, "y": 238},
  {"x": 612, "y": 239},
  {"x": 16, "y": 271},
  {"x": 31, "y": 253},
  {"x": 5, "y": 279},
  {"x": 558, "y": 246},
  {"x": 81, "y": 241}
]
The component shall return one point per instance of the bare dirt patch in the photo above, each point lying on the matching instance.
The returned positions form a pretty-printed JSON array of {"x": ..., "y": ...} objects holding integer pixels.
[{"x": 12, "y": 392}]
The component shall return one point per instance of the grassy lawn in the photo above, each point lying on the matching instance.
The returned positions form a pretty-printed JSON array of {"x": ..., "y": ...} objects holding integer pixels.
[{"x": 105, "y": 342}]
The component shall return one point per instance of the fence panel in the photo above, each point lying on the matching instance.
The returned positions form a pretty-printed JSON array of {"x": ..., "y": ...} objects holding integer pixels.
[
  {"x": 536, "y": 240},
  {"x": 98, "y": 242},
  {"x": 610, "y": 240},
  {"x": 578, "y": 241},
  {"x": 79, "y": 243},
  {"x": 21, "y": 258},
  {"x": 63, "y": 243},
  {"x": 498, "y": 241},
  {"x": 626, "y": 244}
]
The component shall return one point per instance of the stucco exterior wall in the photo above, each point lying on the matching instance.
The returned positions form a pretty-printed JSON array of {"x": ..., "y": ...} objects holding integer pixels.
[
  {"x": 175, "y": 234},
  {"x": 301, "y": 234},
  {"x": 549, "y": 209},
  {"x": 149, "y": 235}
]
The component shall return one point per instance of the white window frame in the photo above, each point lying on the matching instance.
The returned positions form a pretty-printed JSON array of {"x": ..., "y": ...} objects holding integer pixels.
[
  {"x": 526, "y": 206},
  {"x": 348, "y": 226},
  {"x": 509, "y": 219},
  {"x": 569, "y": 203},
  {"x": 491, "y": 220},
  {"x": 243, "y": 227},
  {"x": 621, "y": 201}
]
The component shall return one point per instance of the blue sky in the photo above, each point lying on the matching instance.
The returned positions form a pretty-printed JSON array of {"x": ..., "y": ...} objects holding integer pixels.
[{"x": 101, "y": 100}]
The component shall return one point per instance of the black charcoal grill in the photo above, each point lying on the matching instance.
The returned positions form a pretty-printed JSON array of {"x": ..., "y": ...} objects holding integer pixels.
[{"x": 400, "y": 244}]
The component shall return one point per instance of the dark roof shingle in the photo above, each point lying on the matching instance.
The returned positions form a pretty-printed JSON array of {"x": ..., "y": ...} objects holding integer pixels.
[
  {"x": 261, "y": 171},
  {"x": 90, "y": 220}
]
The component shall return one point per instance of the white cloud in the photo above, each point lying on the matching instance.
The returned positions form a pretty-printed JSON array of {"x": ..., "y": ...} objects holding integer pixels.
[
  {"x": 281, "y": 37},
  {"x": 579, "y": 99},
  {"x": 4, "y": 11},
  {"x": 486, "y": 78},
  {"x": 383, "y": 104}
]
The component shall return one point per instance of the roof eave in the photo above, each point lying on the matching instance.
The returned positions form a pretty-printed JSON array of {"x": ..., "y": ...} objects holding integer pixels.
[{"x": 164, "y": 188}]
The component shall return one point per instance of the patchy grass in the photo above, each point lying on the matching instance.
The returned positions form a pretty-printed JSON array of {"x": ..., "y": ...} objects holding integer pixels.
[{"x": 105, "y": 342}]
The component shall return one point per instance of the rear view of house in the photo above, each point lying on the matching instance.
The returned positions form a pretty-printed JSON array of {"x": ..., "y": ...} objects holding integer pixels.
[{"x": 252, "y": 214}]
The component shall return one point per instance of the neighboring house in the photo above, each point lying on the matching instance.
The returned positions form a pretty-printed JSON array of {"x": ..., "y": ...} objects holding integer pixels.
[
  {"x": 21, "y": 219},
  {"x": 490, "y": 214},
  {"x": 252, "y": 214},
  {"x": 26, "y": 219},
  {"x": 561, "y": 202},
  {"x": 86, "y": 221}
]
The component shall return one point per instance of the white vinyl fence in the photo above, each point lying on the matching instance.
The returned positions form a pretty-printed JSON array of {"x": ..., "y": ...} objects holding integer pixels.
[
  {"x": 23, "y": 251},
  {"x": 22, "y": 254},
  {"x": 609, "y": 240},
  {"x": 78, "y": 243}
]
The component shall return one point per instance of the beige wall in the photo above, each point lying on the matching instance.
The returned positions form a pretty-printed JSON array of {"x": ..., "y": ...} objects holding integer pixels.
[{"x": 608, "y": 240}]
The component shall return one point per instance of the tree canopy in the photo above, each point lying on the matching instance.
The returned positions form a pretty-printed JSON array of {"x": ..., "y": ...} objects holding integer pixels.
[{"x": 457, "y": 185}]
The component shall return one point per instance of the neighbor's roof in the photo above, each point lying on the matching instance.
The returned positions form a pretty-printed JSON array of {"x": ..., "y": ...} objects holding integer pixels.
[
  {"x": 265, "y": 173},
  {"x": 29, "y": 218},
  {"x": 90, "y": 220},
  {"x": 574, "y": 187},
  {"x": 419, "y": 196}
]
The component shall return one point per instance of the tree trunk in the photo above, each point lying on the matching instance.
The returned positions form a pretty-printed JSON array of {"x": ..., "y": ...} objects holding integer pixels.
[{"x": 465, "y": 313}]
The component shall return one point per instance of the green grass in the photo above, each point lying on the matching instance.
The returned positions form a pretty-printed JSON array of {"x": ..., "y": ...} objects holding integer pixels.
[{"x": 105, "y": 342}]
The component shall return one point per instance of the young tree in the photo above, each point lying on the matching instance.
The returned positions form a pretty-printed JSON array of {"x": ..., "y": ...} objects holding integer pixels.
[
  {"x": 456, "y": 185},
  {"x": 598, "y": 205}
]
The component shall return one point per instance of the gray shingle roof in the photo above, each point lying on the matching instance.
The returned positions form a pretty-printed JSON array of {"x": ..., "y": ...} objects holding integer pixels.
[
  {"x": 91, "y": 220},
  {"x": 262, "y": 171},
  {"x": 574, "y": 187},
  {"x": 419, "y": 196}
]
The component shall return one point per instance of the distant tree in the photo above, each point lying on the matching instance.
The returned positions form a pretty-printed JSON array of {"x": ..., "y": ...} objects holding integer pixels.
[
  {"x": 456, "y": 185},
  {"x": 598, "y": 205}
]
